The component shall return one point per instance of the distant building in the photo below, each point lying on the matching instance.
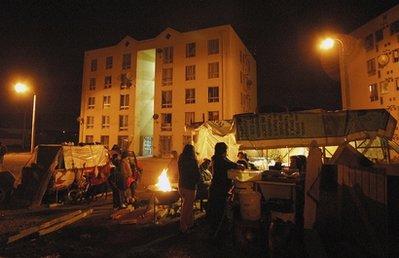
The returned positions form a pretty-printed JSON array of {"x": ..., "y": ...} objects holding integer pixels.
[
  {"x": 142, "y": 94},
  {"x": 373, "y": 65}
]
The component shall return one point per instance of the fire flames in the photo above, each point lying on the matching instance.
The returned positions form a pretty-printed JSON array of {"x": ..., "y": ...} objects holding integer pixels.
[{"x": 163, "y": 183}]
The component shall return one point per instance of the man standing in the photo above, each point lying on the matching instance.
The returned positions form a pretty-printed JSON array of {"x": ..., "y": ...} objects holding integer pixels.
[{"x": 3, "y": 151}]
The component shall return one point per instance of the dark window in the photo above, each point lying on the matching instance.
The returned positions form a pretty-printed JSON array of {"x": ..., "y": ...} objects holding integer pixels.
[
  {"x": 108, "y": 62},
  {"x": 190, "y": 49},
  {"x": 371, "y": 67},
  {"x": 213, "y": 46},
  {"x": 379, "y": 35},
  {"x": 373, "y": 92},
  {"x": 369, "y": 42},
  {"x": 394, "y": 27},
  {"x": 93, "y": 65},
  {"x": 127, "y": 61}
]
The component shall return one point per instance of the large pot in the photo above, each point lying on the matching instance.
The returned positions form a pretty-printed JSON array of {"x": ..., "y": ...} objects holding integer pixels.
[{"x": 164, "y": 198}]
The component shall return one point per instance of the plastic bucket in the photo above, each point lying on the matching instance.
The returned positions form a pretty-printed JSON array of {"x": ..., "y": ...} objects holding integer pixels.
[{"x": 250, "y": 205}]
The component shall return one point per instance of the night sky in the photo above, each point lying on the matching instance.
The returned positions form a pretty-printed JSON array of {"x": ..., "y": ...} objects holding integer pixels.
[{"x": 44, "y": 42}]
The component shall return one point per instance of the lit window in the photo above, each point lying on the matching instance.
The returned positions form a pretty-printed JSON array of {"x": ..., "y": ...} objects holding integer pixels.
[
  {"x": 165, "y": 144},
  {"x": 124, "y": 101},
  {"x": 167, "y": 76},
  {"x": 106, "y": 101},
  {"x": 91, "y": 102},
  {"x": 167, "y": 55},
  {"x": 213, "y": 46},
  {"x": 166, "y": 122},
  {"x": 93, "y": 65},
  {"x": 213, "y": 70},
  {"x": 369, "y": 42},
  {"x": 384, "y": 87},
  {"x": 395, "y": 55},
  {"x": 371, "y": 67},
  {"x": 89, "y": 139},
  {"x": 373, "y": 92},
  {"x": 190, "y": 49},
  {"x": 166, "y": 99},
  {"x": 190, "y": 96},
  {"x": 213, "y": 115},
  {"x": 190, "y": 72},
  {"x": 109, "y": 62},
  {"x": 105, "y": 122},
  {"x": 189, "y": 118},
  {"x": 213, "y": 94},
  {"x": 107, "y": 81},
  {"x": 123, "y": 122},
  {"x": 104, "y": 139},
  {"x": 90, "y": 122},
  {"x": 92, "y": 84},
  {"x": 126, "y": 61}
]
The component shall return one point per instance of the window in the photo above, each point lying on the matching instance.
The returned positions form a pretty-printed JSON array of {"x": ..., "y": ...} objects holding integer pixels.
[
  {"x": 189, "y": 118},
  {"x": 373, "y": 92},
  {"x": 395, "y": 55},
  {"x": 168, "y": 55},
  {"x": 213, "y": 70},
  {"x": 165, "y": 144},
  {"x": 105, "y": 122},
  {"x": 213, "y": 115},
  {"x": 126, "y": 82},
  {"x": 167, "y": 76},
  {"x": 190, "y": 49},
  {"x": 241, "y": 57},
  {"x": 109, "y": 62},
  {"x": 384, "y": 87},
  {"x": 107, "y": 81},
  {"x": 379, "y": 35},
  {"x": 104, "y": 139},
  {"x": 187, "y": 139},
  {"x": 92, "y": 84},
  {"x": 213, "y": 94},
  {"x": 123, "y": 142},
  {"x": 89, "y": 139},
  {"x": 166, "y": 99},
  {"x": 93, "y": 65},
  {"x": 123, "y": 122},
  {"x": 166, "y": 122},
  {"x": 371, "y": 67},
  {"x": 394, "y": 27},
  {"x": 91, "y": 102},
  {"x": 190, "y": 96},
  {"x": 213, "y": 46},
  {"x": 190, "y": 72},
  {"x": 124, "y": 101},
  {"x": 397, "y": 83},
  {"x": 106, "y": 101},
  {"x": 126, "y": 61},
  {"x": 369, "y": 42},
  {"x": 90, "y": 122}
]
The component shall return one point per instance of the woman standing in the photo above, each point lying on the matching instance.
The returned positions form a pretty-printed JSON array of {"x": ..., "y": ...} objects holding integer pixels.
[
  {"x": 188, "y": 179},
  {"x": 220, "y": 185}
]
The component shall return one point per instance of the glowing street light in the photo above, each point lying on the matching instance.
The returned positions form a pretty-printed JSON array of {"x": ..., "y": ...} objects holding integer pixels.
[
  {"x": 22, "y": 88},
  {"x": 327, "y": 44}
]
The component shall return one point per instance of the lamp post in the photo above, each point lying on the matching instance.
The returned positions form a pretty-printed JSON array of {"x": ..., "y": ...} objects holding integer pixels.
[
  {"x": 328, "y": 44},
  {"x": 21, "y": 88}
]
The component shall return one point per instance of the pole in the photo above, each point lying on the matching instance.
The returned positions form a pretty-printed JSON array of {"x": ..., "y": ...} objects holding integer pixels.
[
  {"x": 345, "y": 100},
  {"x": 32, "y": 139}
]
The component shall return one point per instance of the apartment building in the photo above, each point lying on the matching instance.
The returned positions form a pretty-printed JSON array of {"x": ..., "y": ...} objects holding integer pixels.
[
  {"x": 373, "y": 64},
  {"x": 142, "y": 94}
]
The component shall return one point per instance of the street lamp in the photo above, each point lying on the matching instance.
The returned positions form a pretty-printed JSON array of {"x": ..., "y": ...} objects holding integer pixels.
[
  {"x": 327, "y": 44},
  {"x": 22, "y": 88}
]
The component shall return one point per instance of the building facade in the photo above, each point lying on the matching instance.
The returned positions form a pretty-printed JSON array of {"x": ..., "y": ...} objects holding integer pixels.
[
  {"x": 142, "y": 94},
  {"x": 372, "y": 63}
]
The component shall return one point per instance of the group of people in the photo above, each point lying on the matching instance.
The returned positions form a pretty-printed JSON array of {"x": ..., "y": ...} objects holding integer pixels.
[
  {"x": 192, "y": 177},
  {"x": 124, "y": 177}
]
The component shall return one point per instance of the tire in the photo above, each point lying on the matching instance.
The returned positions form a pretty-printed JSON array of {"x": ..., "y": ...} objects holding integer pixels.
[{"x": 75, "y": 196}]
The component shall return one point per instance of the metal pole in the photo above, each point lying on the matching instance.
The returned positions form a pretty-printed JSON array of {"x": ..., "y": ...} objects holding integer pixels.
[{"x": 32, "y": 139}]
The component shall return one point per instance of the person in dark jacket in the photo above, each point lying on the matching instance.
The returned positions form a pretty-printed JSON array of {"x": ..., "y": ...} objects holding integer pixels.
[
  {"x": 220, "y": 185},
  {"x": 116, "y": 183},
  {"x": 205, "y": 179},
  {"x": 189, "y": 177}
]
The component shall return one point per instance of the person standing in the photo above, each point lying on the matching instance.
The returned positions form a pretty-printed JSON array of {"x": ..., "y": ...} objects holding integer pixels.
[
  {"x": 189, "y": 177},
  {"x": 127, "y": 175},
  {"x": 3, "y": 151},
  {"x": 115, "y": 181},
  {"x": 220, "y": 185}
]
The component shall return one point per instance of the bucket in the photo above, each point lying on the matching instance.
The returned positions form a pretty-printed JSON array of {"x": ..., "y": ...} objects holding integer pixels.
[{"x": 250, "y": 205}]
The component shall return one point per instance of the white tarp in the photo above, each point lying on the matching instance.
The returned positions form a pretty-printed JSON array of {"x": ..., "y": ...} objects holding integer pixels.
[
  {"x": 84, "y": 156},
  {"x": 212, "y": 132}
]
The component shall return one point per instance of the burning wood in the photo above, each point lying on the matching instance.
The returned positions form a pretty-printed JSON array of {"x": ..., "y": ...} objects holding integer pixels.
[{"x": 163, "y": 183}]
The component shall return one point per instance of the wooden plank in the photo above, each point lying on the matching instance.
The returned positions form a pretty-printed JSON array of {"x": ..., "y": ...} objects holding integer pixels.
[
  {"x": 29, "y": 231},
  {"x": 65, "y": 223}
]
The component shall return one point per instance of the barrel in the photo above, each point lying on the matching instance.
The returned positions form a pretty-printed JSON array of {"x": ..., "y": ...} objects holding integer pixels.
[
  {"x": 240, "y": 187},
  {"x": 250, "y": 205}
]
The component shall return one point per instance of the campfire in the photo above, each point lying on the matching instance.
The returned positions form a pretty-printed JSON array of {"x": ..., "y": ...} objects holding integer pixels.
[
  {"x": 163, "y": 182},
  {"x": 164, "y": 193}
]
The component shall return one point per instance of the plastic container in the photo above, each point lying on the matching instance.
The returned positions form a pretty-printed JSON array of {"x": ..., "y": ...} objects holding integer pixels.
[{"x": 250, "y": 207}]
